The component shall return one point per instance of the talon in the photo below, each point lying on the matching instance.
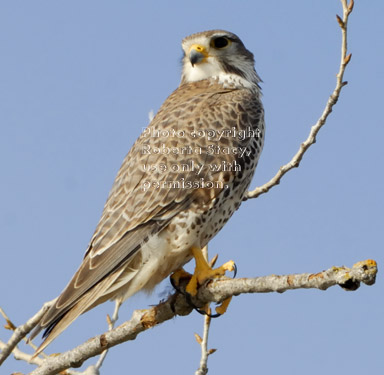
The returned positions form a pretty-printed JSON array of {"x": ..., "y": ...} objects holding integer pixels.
[
  {"x": 229, "y": 266},
  {"x": 203, "y": 312},
  {"x": 204, "y": 272},
  {"x": 207, "y": 312},
  {"x": 234, "y": 271}
]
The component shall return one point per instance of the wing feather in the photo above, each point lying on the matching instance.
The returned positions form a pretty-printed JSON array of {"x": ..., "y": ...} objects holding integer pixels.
[{"x": 133, "y": 213}]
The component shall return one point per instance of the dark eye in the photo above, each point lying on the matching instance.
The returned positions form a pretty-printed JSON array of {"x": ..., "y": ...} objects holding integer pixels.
[{"x": 220, "y": 42}]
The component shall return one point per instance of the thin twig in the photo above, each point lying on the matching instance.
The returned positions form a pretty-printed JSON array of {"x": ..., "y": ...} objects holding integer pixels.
[
  {"x": 295, "y": 161},
  {"x": 30, "y": 358},
  {"x": 111, "y": 324},
  {"x": 205, "y": 352},
  {"x": 23, "y": 330},
  {"x": 216, "y": 291},
  {"x": 203, "y": 366},
  {"x": 12, "y": 327},
  {"x": 19, "y": 355}
]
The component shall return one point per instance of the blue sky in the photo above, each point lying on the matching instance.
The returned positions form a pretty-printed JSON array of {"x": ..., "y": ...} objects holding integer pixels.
[{"x": 77, "y": 80}]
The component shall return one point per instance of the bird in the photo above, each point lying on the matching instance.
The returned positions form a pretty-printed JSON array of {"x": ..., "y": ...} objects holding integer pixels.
[{"x": 181, "y": 181}]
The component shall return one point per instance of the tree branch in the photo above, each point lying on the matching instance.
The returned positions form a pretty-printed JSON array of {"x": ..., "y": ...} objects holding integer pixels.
[
  {"x": 21, "y": 331},
  {"x": 215, "y": 291},
  {"x": 19, "y": 355},
  {"x": 334, "y": 97},
  {"x": 205, "y": 352}
]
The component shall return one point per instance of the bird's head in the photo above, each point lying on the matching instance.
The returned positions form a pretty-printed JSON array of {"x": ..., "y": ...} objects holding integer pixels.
[{"x": 218, "y": 54}]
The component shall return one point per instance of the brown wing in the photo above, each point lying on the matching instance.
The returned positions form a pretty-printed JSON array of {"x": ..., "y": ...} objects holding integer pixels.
[{"x": 135, "y": 211}]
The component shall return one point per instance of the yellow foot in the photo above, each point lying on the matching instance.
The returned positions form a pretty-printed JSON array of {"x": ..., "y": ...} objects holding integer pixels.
[
  {"x": 204, "y": 272},
  {"x": 223, "y": 307},
  {"x": 178, "y": 275}
]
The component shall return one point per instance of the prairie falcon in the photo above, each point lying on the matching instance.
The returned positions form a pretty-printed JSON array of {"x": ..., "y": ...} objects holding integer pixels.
[{"x": 179, "y": 184}]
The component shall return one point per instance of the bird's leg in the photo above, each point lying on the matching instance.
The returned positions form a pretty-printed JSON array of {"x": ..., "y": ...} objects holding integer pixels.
[
  {"x": 204, "y": 272},
  {"x": 178, "y": 275},
  {"x": 115, "y": 315}
]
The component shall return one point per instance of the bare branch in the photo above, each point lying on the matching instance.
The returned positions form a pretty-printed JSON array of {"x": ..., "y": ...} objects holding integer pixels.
[
  {"x": 111, "y": 324},
  {"x": 205, "y": 353},
  {"x": 216, "y": 291},
  {"x": 19, "y": 355},
  {"x": 348, "y": 278},
  {"x": 295, "y": 161},
  {"x": 21, "y": 331}
]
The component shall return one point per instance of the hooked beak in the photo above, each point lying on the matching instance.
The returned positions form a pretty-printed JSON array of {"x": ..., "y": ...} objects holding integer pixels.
[{"x": 197, "y": 54}]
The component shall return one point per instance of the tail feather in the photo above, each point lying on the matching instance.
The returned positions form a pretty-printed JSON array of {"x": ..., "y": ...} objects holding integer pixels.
[{"x": 92, "y": 298}]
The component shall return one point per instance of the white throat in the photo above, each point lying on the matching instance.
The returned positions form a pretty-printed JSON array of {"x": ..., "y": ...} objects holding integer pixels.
[
  {"x": 212, "y": 69},
  {"x": 198, "y": 72}
]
